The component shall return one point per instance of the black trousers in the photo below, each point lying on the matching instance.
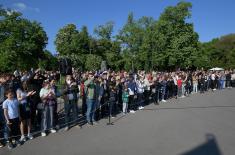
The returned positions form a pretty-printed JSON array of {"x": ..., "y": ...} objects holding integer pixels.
[
  {"x": 104, "y": 107},
  {"x": 84, "y": 106},
  {"x": 34, "y": 112},
  {"x": 147, "y": 94},
  {"x": 14, "y": 129},
  {"x": 131, "y": 103}
]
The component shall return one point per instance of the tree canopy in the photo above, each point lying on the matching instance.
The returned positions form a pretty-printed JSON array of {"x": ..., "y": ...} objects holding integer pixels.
[
  {"x": 166, "y": 43},
  {"x": 22, "y": 42}
]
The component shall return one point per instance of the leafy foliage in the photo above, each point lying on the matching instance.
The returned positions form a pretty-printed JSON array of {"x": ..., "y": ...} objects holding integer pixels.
[
  {"x": 21, "y": 41},
  {"x": 167, "y": 43},
  {"x": 93, "y": 62}
]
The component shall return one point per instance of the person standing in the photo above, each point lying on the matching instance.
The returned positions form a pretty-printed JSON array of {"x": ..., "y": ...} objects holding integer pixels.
[
  {"x": 195, "y": 83},
  {"x": 90, "y": 97},
  {"x": 57, "y": 94},
  {"x": 98, "y": 95},
  {"x": 202, "y": 83},
  {"x": 70, "y": 96},
  {"x": 163, "y": 83},
  {"x": 105, "y": 97},
  {"x": 125, "y": 96},
  {"x": 213, "y": 83},
  {"x": 112, "y": 100},
  {"x": 147, "y": 91},
  {"x": 2, "y": 120},
  {"x": 228, "y": 79},
  {"x": 179, "y": 84},
  {"x": 25, "y": 114},
  {"x": 140, "y": 92},
  {"x": 35, "y": 83},
  {"x": 132, "y": 92},
  {"x": 12, "y": 117},
  {"x": 48, "y": 97}
]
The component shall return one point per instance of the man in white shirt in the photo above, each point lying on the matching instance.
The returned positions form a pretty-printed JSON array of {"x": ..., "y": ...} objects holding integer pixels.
[{"x": 140, "y": 90}]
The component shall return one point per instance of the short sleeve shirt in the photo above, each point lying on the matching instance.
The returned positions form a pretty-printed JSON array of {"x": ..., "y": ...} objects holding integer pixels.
[
  {"x": 23, "y": 95},
  {"x": 12, "y": 108}
]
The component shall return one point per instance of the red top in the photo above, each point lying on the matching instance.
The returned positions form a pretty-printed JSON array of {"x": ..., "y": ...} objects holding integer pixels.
[
  {"x": 179, "y": 83},
  {"x": 82, "y": 87}
]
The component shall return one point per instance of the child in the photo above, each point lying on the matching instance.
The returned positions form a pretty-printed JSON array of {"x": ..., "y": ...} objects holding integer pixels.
[
  {"x": 11, "y": 113},
  {"x": 125, "y": 96}
]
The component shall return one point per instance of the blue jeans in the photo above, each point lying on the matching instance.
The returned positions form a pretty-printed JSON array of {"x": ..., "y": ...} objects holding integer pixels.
[
  {"x": 71, "y": 105},
  {"x": 4, "y": 131},
  {"x": 47, "y": 118},
  {"x": 179, "y": 91},
  {"x": 90, "y": 110},
  {"x": 183, "y": 89},
  {"x": 2, "y": 123},
  {"x": 195, "y": 88},
  {"x": 163, "y": 92},
  {"x": 96, "y": 109}
]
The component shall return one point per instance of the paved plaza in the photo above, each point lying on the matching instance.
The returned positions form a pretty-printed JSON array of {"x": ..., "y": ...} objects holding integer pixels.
[{"x": 202, "y": 124}]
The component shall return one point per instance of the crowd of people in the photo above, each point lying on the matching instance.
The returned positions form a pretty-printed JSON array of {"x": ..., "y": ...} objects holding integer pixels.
[{"x": 29, "y": 100}]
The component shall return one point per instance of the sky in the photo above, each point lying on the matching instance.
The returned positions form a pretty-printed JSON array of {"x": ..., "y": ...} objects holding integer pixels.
[{"x": 211, "y": 18}]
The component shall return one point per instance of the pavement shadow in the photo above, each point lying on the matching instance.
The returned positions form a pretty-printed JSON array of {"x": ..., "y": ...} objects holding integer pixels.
[{"x": 210, "y": 147}]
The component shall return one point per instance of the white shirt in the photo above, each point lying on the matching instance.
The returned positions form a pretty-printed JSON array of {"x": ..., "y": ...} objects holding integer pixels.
[
  {"x": 212, "y": 76},
  {"x": 147, "y": 84},
  {"x": 23, "y": 95},
  {"x": 140, "y": 86}
]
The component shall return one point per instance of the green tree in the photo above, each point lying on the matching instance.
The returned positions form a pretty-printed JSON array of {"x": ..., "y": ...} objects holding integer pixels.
[
  {"x": 108, "y": 49},
  {"x": 49, "y": 62},
  {"x": 130, "y": 37},
  {"x": 67, "y": 40},
  {"x": 21, "y": 41},
  {"x": 84, "y": 41},
  {"x": 73, "y": 44},
  {"x": 176, "y": 41},
  {"x": 93, "y": 62},
  {"x": 145, "y": 55},
  {"x": 104, "y": 31},
  {"x": 220, "y": 52}
]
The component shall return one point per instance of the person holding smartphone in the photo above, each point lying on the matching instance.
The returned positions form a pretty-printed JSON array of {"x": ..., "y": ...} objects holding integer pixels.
[{"x": 48, "y": 98}]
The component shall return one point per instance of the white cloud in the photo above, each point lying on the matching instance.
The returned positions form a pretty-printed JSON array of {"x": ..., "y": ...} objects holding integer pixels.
[{"x": 22, "y": 7}]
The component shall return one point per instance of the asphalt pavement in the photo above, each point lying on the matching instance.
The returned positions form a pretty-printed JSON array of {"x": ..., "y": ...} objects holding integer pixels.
[{"x": 202, "y": 124}]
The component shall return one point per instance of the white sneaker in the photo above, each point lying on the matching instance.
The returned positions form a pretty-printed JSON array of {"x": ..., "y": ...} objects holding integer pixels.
[
  {"x": 214, "y": 89},
  {"x": 30, "y": 136},
  {"x": 132, "y": 111},
  {"x": 43, "y": 134},
  {"x": 22, "y": 139},
  {"x": 183, "y": 96},
  {"x": 53, "y": 131},
  {"x": 140, "y": 108},
  {"x": 163, "y": 100}
]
